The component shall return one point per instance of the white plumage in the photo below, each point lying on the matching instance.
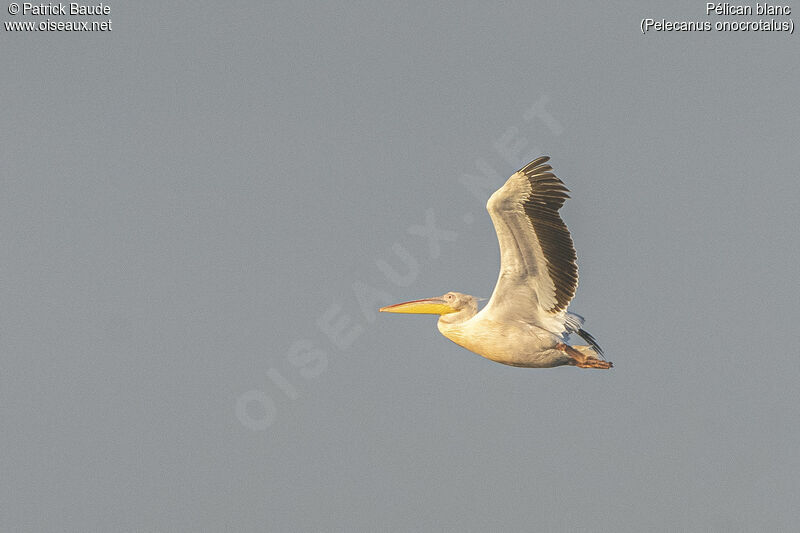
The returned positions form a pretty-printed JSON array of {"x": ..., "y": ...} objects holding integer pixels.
[{"x": 526, "y": 322}]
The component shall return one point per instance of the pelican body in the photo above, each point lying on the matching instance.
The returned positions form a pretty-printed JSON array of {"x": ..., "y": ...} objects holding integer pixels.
[{"x": 526, "y": 322}]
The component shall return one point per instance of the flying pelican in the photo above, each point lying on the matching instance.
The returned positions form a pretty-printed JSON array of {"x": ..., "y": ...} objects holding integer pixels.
[{"x": 526, "y": 322}]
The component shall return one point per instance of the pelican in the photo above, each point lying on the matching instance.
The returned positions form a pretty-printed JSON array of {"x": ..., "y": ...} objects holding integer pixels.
[{"x": 526, "y": 322}]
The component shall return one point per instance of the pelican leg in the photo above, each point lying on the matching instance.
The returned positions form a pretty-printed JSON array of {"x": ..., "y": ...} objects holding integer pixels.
[{"x": 582, "y": 360}]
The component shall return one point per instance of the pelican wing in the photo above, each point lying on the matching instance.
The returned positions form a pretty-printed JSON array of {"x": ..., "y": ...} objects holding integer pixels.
[{"x": 538, "y": 265}]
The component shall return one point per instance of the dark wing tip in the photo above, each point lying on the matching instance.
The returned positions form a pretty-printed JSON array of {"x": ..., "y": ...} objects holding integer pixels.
[
  {"x": 539, "y": 161},
  {"x": 547, "y": 195},
  {"x": 591, "y": 340}
]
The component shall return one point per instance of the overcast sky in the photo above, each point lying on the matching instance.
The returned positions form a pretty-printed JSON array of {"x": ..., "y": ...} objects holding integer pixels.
[{"x": 202, "y": 209}]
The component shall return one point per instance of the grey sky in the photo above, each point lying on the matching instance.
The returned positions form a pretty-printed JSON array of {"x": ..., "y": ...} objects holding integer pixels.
[{"x": 185, "y": 198}]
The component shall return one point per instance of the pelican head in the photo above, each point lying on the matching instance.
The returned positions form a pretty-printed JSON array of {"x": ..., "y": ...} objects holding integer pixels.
[{"x": 452, "y": 302}]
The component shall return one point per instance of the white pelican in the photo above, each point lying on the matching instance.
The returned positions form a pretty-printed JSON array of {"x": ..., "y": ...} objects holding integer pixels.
[{"x": 526, "y": 322}]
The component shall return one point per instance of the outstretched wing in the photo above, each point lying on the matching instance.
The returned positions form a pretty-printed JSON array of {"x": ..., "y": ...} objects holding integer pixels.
[{"x": 538, "y": 265}]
